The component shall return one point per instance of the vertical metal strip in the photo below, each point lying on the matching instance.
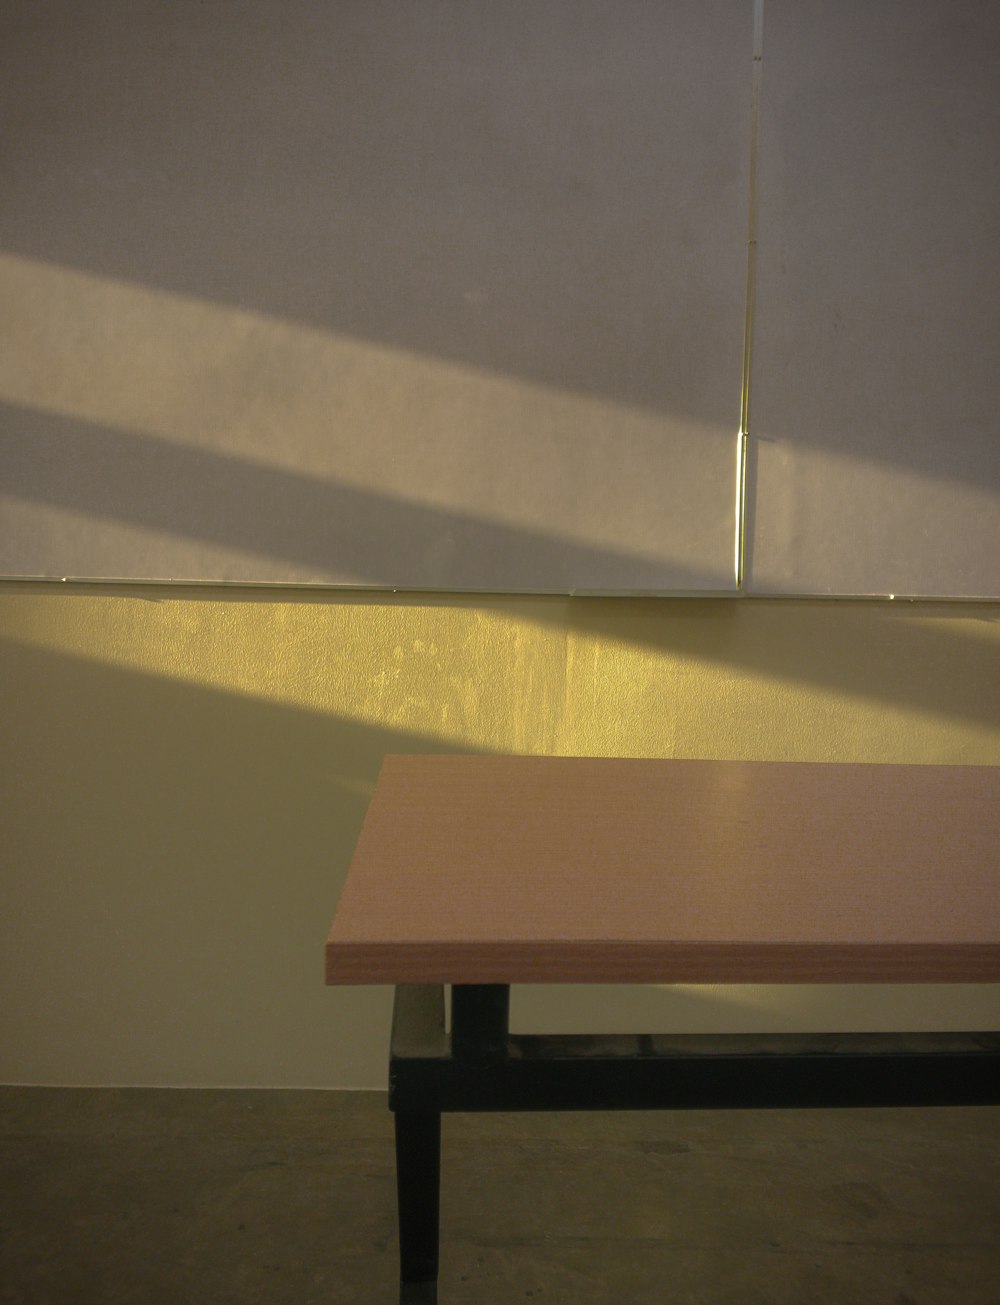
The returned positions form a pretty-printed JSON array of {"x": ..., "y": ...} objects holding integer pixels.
[{"x": 751, "y": 293}]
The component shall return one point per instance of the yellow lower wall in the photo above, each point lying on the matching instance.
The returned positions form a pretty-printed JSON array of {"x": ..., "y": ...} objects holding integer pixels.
[{"x": 185, "y": 771}]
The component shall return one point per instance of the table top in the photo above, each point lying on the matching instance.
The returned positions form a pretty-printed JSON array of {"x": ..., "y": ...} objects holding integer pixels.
[{"x": 501, "y": 869}]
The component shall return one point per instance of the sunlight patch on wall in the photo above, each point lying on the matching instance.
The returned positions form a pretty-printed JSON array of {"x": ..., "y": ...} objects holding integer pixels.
[
  {"x": 475, "y": 679},
  {"x": 333, "y": 409},
  {"x": 753, "y": 679}
]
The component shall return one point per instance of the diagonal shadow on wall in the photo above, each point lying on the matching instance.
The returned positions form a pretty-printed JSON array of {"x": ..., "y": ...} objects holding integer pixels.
[
  {"x": 173, "y": 854},
  {"x": 172, "y": 858},
  {"x": 521, "y": 188},
  {"x": 287, "y": 525},
  {"x": 939, "y": 659}
]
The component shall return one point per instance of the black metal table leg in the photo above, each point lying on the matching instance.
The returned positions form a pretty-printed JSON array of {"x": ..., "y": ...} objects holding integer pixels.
[
  {"x": 483, "y": 1066},
  {"x": 418, "y": 1185},
  {"x": 480, "y": 1018}
]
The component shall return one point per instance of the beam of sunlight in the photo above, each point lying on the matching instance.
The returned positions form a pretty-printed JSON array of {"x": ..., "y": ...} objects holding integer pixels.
[
  {"x": 277, "y": 395},
  {"x": 479, "y": 680},
  {"x": 206, "y": 513},
  {"x": 773, "y": 681},
  {"x": 831, "y": 1007}
]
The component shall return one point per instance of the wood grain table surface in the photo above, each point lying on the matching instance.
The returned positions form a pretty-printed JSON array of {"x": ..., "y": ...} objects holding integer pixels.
[{"x": 505, "y": 869}]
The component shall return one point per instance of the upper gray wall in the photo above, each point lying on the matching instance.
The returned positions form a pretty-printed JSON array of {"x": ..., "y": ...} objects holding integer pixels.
[
  {"x": 876, "y": 450},
  {"x": 452, "y": 294},
  {"x": 443, "y": 294}
]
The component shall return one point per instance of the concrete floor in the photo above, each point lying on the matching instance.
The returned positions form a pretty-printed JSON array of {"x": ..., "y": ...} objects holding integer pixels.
[{"x": 122, "y": 1196}]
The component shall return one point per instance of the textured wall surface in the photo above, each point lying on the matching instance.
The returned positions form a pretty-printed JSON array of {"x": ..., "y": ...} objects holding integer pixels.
[
  {"x": 185, "y": 772},
  {"x": 456, "y": 289}
]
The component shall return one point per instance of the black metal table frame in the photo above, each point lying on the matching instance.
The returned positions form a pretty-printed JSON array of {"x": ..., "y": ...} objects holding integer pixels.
[{"x": 482, "y": 1066}]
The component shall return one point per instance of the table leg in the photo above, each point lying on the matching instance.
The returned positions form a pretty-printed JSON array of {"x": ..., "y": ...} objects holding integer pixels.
[
  {"x": 418, "y": 1185},
  {"x": 480, "y": 1020}
]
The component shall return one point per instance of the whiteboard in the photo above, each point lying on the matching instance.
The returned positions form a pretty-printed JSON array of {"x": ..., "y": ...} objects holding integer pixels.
[
  {"x": 874, "y": 462},
  {"x": 437, "y": 295}
]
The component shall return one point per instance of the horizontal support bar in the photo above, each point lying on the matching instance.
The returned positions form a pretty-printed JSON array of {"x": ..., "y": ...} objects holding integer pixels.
[{"x": 728, "y": 1071}]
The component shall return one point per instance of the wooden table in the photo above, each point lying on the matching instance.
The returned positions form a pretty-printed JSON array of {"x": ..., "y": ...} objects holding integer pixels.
[{"x": 480, "y": 872}]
